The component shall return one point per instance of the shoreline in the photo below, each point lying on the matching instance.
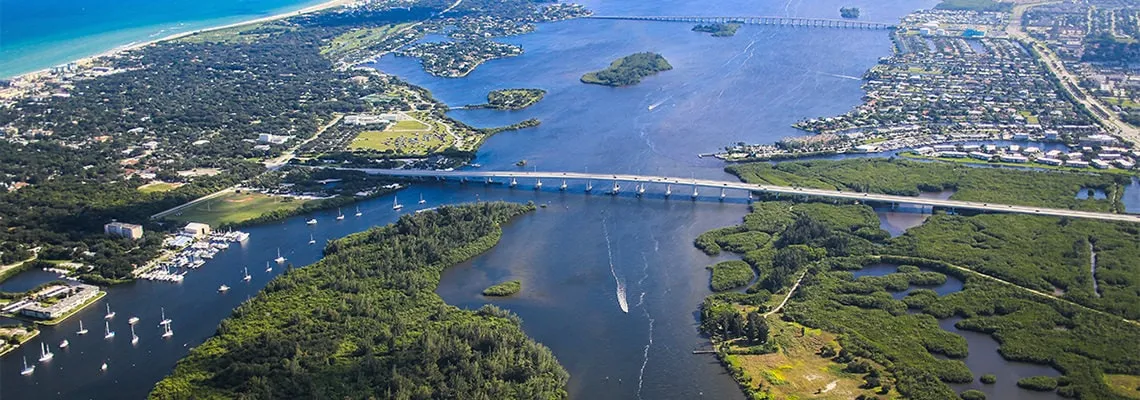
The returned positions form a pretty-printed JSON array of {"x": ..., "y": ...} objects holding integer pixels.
[{"x": 175, "y": 36}]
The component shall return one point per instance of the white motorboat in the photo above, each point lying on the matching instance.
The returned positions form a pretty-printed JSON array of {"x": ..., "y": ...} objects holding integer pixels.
[
  {"x": 223, "y": 288},
  {"x": 312, "y": 221}
]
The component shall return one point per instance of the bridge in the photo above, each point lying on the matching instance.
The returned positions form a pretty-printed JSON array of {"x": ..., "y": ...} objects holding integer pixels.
[
  {"x": 670, "y": 186},
  {"x": 777, "y": 21}
]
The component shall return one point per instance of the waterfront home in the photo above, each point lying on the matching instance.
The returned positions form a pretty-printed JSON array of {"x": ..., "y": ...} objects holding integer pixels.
[
  {"x": 1100, "y": 164},
  {"x": 1049, "y": 161},
  {"x": 1076, "y": 163},
  {"x": 1014, "y": 158}
]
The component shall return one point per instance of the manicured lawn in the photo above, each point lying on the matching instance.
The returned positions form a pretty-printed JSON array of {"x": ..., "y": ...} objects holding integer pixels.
[
  {"x": 234, "y": 208},
  {"x": 357, "y": 39},
  {"x": 409, "y": 137},
  {"x": 158, "y": 187}
]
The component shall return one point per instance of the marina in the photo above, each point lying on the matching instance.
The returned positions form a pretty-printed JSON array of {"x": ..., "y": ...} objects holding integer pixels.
[{"x": 193, "y": 252}]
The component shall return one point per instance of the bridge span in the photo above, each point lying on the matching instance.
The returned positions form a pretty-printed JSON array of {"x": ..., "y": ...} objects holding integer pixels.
[
  {"x": 671, "y": 186},
  {"x": 761, "y": 20}
]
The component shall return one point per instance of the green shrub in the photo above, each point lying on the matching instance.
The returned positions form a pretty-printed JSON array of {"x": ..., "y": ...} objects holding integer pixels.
[
  {"x": 988, "y": 379},
  {"x": 972, "y": 394},
  {"x": 503, "y": 289},
  {"x": 730, "y": 274},
  {"x": 1038, "y": 383}
]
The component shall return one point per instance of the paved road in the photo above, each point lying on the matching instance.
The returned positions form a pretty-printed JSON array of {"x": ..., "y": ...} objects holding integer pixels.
[{"x": 683, "y": 187}]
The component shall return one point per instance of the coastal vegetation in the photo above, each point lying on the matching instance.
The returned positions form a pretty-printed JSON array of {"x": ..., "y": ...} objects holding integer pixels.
[
  {"x": 718, "y": 29},
  {"x": 511, "y": 99},
  {"x": 910, "y": 178},
  {"x": 365, "y": 322},
  {"x": 818, "y": 244},
  {"x": 849, "y": 12},
  {"x": 628, "y": 70},
  {"x": 508, "y": 288},
  {"x": 730, "y": 274}
]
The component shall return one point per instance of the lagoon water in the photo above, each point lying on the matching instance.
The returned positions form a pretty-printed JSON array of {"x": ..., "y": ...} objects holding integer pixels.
[
  {"x": 44, "y": 33},
  {"x": 580, "y": 253}
]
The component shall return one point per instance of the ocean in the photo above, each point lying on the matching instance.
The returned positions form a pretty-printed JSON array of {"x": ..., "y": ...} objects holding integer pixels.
[{"x": 44, "y": 33}]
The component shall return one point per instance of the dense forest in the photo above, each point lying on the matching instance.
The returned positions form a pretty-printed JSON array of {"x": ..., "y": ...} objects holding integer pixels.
[
  {"x": 628, "y": 70},
  {"x": 364, "y": 322},
  {"x": 824, "y": 242}
]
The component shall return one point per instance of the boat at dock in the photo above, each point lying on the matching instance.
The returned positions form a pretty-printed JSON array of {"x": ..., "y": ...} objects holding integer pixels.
[
  {"x": 82, "y": 330},
  {"x": 110, "y": 314},
  {"x": 109, "y": 333},
  {"x": 27, "y": 370}
]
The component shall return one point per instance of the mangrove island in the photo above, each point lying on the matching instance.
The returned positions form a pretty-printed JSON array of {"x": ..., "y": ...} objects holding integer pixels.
[
  {"x": 508, "y": 288},
  {"x": 718, "y": 29},
  {"x": 628, "y": 70},
  {"x": 511, "y": 99}
]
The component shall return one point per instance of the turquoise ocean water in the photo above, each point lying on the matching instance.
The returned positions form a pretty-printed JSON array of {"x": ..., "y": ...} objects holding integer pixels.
[{"x": 43, "y": 33}]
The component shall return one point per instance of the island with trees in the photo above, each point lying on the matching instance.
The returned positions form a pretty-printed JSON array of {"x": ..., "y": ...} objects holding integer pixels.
[
  {"x": 365, "y": 321},
  {"x": 718, "y": 29},
  {"x": 628, "y": 70},
  {"x": 508, "y": 288},
  {"x": 1025, "y": 279},
  {"x": 849, "y": 12},
  {"x": 511, "y": 99}
]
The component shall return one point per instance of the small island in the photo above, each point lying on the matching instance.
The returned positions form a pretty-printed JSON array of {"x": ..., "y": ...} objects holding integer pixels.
[
  {"x": 849, "y": 12},
  {"x": 511, "y": 99},
  {"x": 507, "y": 288},
  {"x": 718, "y": 29},
  {"x": 628, "y": 70}
]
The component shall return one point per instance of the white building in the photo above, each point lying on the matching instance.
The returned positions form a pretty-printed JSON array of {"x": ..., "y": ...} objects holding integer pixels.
[
  {"x": 196, "y": 229},
  {"x": 272, "y": 139},
  {"x": 130, "y": 231}
]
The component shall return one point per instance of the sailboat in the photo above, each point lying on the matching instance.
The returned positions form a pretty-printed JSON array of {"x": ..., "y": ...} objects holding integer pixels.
[
  {"x": 268, "y": 268},
  {"x": 279, "y": 258},
  {"x": 82, "y": 330},
  {"x": 246, "y": 277},
  {"x": 339, "y": 215},
  {"x": 110, "y": 333},
  {"x": 396, "y": 204},
  {"x": 223, "y": 288},
  {"x": 45, "y": 353},
  {"x": 110, "y": 314},
  {"x": 168, "y": 332},
  {"x": 134, "y": 337},
  {"x": 358, "y": 213},
  {"x": 311, "y": 240},
  {"x": 422, "y": 201},
  {"x": 27, "y": 370},
  {"x": 64, "y": 344},
  {"x": 165, "y": 321},
  {"x": 133, "y": 320}
]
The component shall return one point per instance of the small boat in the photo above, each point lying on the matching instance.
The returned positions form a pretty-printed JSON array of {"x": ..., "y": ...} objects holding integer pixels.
[
  {"x": 358, "y": 213},
  {"x": 104, "y": 367},
  {"x": 27, "y": 370},
  {"x": 82, "y": 330},
  {"x": 134, "y": 337},
  {"x": 168, "y": 332},
  {"x": 311, "y": 240},
  {"x": 268, "y": 268},
  {"x": 110, "y": 314},
  {"x": 311, "y": 221},
  {"x": 396, "y": 204},
  {"x": 422, "y": 201},
  {"x": 339, "y": 215},
  {"x": 109, "y": 333},
  {"x": 133, "y": 320},
  {"x": 279, "y": 258},
  {"x": 64, "y": 344},
  {"x": 165, "y": 321},
  {"x": 246, "y": 277},
  {"x": 45, "y": 353},
  {"x": 223, "y": 288}
]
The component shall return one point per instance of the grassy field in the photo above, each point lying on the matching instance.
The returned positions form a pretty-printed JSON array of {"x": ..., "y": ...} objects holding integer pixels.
[
  {"x": 797, "y": 370},
  {"x": 358, "y": 39},
  {"x": 158, "y": 187},
  {"x": 1124, "y": 385},
  {"x": 409, "y": 137},
  {"x": 235, "y": 207},
  {"x": 1123, "y": 102},
  {"x": 237, "y": 34}
]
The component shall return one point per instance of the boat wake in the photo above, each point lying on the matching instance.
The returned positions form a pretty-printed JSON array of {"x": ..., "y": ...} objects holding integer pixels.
[
  {"x": 645, "y": 356},
  {"x": 855, "y": 78},
  {"x": 620, "y": 285},
  {"x": 659, "y": 103}
]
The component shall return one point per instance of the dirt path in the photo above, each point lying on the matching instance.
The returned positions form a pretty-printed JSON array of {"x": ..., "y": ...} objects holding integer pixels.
[{"x": 789, "y": 296}]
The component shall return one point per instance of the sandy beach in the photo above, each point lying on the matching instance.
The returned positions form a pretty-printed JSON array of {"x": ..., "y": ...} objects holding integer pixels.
[{"x": 133, "y": 46}]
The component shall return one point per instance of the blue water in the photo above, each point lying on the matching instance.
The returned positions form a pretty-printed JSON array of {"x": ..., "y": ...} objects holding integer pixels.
[{"x": 44, "y": 33}]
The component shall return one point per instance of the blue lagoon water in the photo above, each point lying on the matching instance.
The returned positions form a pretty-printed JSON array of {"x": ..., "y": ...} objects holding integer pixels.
[
  {"x": 579, "y": 256},
  {"x": 44, "y": 33}
]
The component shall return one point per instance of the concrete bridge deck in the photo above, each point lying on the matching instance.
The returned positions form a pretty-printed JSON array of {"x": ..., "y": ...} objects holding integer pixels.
[
  {"x": 756, "y": 20},
  {"x": 687, "y": 187}
]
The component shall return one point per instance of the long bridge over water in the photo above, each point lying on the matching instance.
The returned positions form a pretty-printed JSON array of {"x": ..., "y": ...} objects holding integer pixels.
[
  {"x": 671, "y": 186},
  {"x": 777, "y": 21}
]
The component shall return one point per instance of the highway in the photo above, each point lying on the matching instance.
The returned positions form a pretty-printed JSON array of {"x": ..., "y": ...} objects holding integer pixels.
[{"x": 687, "y": 187}]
